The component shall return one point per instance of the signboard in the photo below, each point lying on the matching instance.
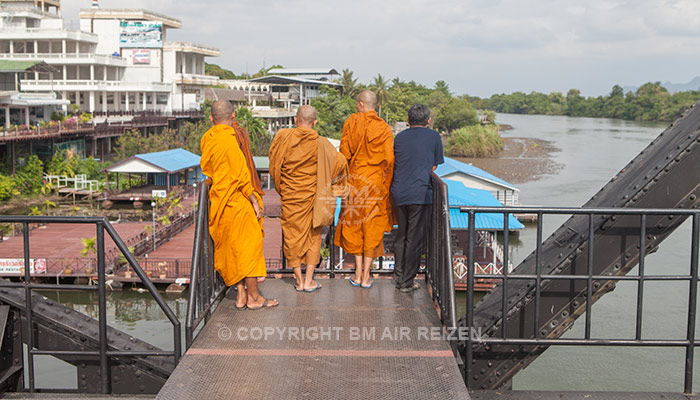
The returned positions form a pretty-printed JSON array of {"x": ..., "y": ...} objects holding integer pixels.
[
  {"x": 13, "y": 265},
  {"x": 159, "y": 193},
  {"x": 141, "y": 56},
  {"x": 141, "y": 34}
]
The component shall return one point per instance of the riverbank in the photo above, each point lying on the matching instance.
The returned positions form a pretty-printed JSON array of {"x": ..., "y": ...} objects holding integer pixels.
[{"x": 521, "y": 160}]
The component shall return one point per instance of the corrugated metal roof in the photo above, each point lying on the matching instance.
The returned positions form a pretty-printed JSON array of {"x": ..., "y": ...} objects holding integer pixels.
[
  {"x": 461, "y": 195},
  {"x": 16, "y": 66},
  {"x": 288, "y": 80},
  {"x": 171, "y": 160},
  {"x": 451, "y": 166},
  {"x": 302, "y": 71}
]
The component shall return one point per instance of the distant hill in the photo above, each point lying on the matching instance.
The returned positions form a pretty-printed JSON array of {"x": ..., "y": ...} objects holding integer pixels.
[{"x": 672, "y": 87}]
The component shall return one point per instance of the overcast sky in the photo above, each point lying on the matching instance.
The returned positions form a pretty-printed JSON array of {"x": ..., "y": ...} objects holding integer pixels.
[{"x": 479, "y": 47}]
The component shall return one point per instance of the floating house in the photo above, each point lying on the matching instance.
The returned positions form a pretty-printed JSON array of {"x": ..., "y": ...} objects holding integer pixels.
[
  {"x": 489, "y": 253},
  {"x": 477, "y": 178},
  {"x": 154, "y": 172}
]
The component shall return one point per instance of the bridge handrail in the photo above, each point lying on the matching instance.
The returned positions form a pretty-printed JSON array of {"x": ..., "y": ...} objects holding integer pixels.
[
  {"x": 439, "y": 266},
  {"x": 535, "y": 336},
  {"x": 102, "y": 225},
  {"x": 206, "y": 286}
]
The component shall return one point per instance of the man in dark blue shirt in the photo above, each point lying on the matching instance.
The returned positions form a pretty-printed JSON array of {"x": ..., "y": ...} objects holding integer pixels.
[{"x": 417, "y": 152}]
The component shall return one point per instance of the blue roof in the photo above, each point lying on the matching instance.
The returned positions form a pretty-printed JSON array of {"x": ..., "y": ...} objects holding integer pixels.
[
  {"x": 461, "y": 195},
  {"x": 171, "y": 160},
  {"x": 452, "y": 166}
]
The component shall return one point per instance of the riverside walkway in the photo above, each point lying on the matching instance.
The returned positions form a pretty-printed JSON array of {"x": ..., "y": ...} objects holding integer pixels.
[{"x": 339, "y": 342}]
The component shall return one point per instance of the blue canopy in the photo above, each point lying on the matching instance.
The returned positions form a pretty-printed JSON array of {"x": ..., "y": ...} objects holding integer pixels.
[
  {"x": 171, "y": 160},
  {"x": 452, "y": 166},
  {"x": 461, "y": 195}
]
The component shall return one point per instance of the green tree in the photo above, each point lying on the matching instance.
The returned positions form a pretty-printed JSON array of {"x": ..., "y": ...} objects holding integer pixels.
[
  {"x": 29, "y": 178},
  {"x": 350, "y": 88},
  {"x": 260, "y": 139},
  {"x": 331, "y": 112},
  {"x": 215, "y": 70},
  {"x": 380, "y": 88},
  {"x": 455, "y": 114}
]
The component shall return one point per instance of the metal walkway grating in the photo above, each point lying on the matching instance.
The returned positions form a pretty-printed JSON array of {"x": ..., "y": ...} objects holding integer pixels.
[{"x": 230, "y": 360}]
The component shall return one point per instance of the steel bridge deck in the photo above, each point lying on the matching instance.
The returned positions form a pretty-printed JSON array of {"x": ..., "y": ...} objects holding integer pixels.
[{"x": 225, "y": 360}]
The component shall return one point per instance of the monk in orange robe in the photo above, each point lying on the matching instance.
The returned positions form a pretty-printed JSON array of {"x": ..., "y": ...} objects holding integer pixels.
[
  {"x": 235, "y": 212},
  {"x": 308, "y": 173},
  {"x": 244, "y": 143},
  {"x": 368, "y": 145}
]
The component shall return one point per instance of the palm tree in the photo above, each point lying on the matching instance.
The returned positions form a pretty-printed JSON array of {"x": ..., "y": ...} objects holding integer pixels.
[
  {"x": 349, "y": 83},
  {"x": 381, "y": 88}
]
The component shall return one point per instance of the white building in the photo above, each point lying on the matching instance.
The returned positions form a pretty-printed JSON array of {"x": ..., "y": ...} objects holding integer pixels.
[{"x": 119, "y": 60}]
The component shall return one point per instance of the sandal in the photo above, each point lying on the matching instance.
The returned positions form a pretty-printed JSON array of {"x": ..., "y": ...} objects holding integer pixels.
[
  {"x": 265, "y": 304},
  {"x": 352, "y": 282},
  {"x": 318, "y": 286},
  {"x": 245, "y": 306},
  {"x": 371, "y": 282}
]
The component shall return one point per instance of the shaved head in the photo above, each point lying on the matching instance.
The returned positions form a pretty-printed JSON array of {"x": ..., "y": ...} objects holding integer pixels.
[
  {"x": 221, "y": 111},
  {"x": 306, "y": 116},
  {"x": 368, "y": 98}
]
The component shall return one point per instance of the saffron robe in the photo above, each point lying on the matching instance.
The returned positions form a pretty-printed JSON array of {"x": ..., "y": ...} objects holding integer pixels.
[
  {"x": 366, "y": 213},
  {"x": 308, "y": 173},
  {"x": 234, "y": 228},
  {"x": 244, "y": 143}
]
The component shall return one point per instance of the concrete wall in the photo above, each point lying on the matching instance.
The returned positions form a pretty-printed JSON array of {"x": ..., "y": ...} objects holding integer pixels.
[
  {"x": 108, "y": 32},
  {"x": 169, "y": 65},
  {"x": 150, "y": 72}
]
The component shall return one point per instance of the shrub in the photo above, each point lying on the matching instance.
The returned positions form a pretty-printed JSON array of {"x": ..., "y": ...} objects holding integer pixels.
[{"x": 474, "y": 141}]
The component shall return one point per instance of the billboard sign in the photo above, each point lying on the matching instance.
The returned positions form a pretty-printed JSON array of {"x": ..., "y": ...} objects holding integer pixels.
[
  {"x": 141, "y": 34},
  {"x": 141, "y": 56},
  {"x": 13, "y": 265}
]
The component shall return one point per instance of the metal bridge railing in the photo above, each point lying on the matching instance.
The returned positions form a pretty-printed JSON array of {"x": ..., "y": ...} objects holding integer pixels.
[
  {"x": 101, "y": 225},
  {"x": 439, "y": 270},
  {"x": 207, "y": 287},
  {"x": 541, "y": 339}
]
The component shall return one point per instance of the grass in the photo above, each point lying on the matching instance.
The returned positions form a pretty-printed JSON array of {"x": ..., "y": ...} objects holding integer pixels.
[{"x": 474, "y": 141}]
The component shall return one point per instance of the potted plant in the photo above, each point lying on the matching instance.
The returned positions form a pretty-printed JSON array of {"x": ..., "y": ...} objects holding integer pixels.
[
  {"x": 89, "y": 246},
  {"x": 163, "y": 273},
  {"x": 127, "y": 273},
  {"x": 325, "y": 256}
]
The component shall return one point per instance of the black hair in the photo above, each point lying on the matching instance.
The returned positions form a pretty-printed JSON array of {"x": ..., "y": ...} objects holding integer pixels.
[{"x": 418, "y": 114}]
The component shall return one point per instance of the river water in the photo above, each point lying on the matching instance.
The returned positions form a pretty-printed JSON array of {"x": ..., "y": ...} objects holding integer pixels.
[{"x": 591, "y": 152}]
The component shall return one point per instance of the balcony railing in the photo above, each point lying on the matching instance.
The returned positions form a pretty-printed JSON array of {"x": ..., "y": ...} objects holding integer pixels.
[
  {"x": 95, "y": 84},
  {"x": 98, "y": 58}
]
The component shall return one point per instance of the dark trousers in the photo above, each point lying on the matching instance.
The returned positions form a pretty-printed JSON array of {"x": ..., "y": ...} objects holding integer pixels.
[{"x": 413, "y": 221}]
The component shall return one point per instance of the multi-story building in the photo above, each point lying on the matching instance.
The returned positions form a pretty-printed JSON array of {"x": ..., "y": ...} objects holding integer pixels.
[{"x": 119, "y": 59}]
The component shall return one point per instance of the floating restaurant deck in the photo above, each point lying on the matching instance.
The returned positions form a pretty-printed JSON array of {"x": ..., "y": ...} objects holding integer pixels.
[{"x": 226, "y": 361}]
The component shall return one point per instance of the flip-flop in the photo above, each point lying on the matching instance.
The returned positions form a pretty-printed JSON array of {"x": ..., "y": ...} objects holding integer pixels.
[
  {"x": 264, "y": 305},
  {"x": 241, "y": 308},
  {"x": 297, "y": 288},
  {"x": 318, "y": 286},
  {"x": 371, "y": 282},
  {"x": 352, "y": 282}
]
